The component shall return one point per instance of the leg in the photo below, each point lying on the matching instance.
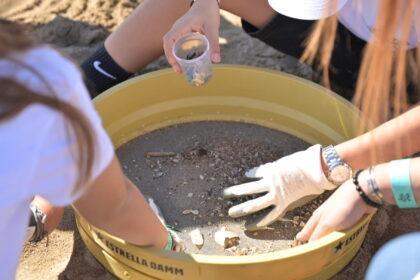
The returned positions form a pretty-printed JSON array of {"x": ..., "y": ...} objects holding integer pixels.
[
  {"x": 288, "y": 36},
  {"x": 138, "y": 40},
  {"x": 398, "y": 259}
]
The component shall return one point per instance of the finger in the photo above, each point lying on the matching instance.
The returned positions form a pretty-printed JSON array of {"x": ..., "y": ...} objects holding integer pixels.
[
  {"x": 179, "y": 243},
  {"x": 309, "y": 228},
  {"x": 257, "y": 172},
  {"x": 271, "y": 217},
  {"x": 246, "y": 189},
  {"x": 212, "y": 34},
  {"x": 168, "y": 43},
  {"x": 250, "y": 206},
  {"x": 320, "y": 231}
]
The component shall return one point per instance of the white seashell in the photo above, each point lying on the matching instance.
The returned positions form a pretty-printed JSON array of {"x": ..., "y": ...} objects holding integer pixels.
[{"x": 197, "y": 238}]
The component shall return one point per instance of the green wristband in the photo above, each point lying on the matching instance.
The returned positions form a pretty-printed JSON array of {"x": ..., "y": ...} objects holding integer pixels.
[
  {"x": 169, "y": 243},
  {"x": 401, "y": 183}
]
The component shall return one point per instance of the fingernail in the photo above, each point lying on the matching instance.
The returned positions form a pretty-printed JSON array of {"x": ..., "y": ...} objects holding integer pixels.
[
  {"x": 299, "y": 235},
  {"x": 216, "y": 58}
]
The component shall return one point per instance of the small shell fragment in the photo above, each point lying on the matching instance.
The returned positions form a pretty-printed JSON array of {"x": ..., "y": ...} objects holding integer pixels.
[
  {"x": 189, "y": 211},
  {"x": 197, "y": 238},
  {"x": 226, "y": 238}
]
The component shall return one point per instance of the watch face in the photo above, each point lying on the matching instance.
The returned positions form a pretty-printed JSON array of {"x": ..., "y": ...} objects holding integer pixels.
[{"x": 340, "y": 174}]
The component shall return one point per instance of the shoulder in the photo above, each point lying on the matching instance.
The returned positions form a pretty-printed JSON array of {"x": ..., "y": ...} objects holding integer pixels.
[{"x": 44, "y": 70}]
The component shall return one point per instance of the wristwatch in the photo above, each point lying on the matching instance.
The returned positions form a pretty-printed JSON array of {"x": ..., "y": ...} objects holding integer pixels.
[{"x": 338, "y": 170}]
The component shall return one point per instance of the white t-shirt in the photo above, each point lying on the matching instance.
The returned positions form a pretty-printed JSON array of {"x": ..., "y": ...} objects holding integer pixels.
[
  {"x": 36, "y": 147},
  {"x": 358, "y": 16}
]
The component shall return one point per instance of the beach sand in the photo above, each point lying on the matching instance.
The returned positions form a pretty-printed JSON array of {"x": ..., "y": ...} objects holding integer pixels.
[{"x": 77, "y": 27}]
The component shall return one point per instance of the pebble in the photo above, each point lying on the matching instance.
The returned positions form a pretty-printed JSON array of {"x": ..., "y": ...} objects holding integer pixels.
[
  {"x": 302, "y": 224},
  {"x": 197, "y": 238},
  {"x": 190, "y": 194},
  {"x": 201, "y": 177}
]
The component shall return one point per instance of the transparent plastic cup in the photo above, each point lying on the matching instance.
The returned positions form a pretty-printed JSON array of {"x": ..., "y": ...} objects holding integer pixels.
[{"x": 192, "y": 52}]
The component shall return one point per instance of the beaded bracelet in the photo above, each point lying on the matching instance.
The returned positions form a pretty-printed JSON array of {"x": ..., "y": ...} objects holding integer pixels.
[{"x": 359, "y": 189}]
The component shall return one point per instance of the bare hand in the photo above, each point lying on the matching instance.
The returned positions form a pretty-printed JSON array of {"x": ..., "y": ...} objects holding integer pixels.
[
  {"x": 340, "y": 211},
  {"x": 203, "y": 17}
]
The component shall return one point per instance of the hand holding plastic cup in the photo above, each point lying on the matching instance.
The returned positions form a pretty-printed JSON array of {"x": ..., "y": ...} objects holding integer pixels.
[{"x": 192, "y": 52}]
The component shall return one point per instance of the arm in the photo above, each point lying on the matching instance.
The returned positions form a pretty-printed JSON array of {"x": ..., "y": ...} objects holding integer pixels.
[
  {"x": 346, "y": 207},
  {"x": 114, "y": 204},
  {"x": 394, "y": 139},
  {"x": 292, "y": 178}
]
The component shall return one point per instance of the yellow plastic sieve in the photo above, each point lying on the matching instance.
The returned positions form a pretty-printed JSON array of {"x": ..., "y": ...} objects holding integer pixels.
[{"x": 267, "y": 98}]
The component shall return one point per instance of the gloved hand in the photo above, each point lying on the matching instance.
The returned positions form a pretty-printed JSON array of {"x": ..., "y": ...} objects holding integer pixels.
[
  {"x": 175, "y": 243},
  {"x": 288, "y": 183}
]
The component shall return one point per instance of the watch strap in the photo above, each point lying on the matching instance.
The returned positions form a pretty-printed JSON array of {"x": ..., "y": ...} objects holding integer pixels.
[{"x": 331, "y": 157}]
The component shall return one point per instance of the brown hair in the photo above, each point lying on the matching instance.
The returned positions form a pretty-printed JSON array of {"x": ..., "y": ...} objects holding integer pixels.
[
  {"x": 15, "y": 97},
  {"x": 386, "y": 66}
]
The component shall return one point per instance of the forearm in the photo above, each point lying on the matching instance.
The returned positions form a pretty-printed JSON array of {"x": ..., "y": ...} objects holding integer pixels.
[
  {"x": 115, "y": 205},
  {"x": 382, "y": 177},
  {"x": 148, "y": 230},
  {"x": 394, "y": 139}
]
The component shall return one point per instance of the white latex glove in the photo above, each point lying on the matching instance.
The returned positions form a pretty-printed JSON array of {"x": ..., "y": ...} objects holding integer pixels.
[
  {"x": 288, "y": 183},
  {"x": 179, "y": 243}
]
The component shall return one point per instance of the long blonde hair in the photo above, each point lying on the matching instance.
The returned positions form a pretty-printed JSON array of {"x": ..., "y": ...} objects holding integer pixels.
[
  {"x": 15, "y": 97},
  {"x": 387, "y": 67}
]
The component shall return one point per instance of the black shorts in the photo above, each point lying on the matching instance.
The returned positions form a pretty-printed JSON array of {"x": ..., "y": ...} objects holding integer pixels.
[{"x": 288, "y": 35}]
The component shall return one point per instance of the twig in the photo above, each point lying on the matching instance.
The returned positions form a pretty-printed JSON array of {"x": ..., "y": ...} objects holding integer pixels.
[{"x": 160, "y": 154}]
